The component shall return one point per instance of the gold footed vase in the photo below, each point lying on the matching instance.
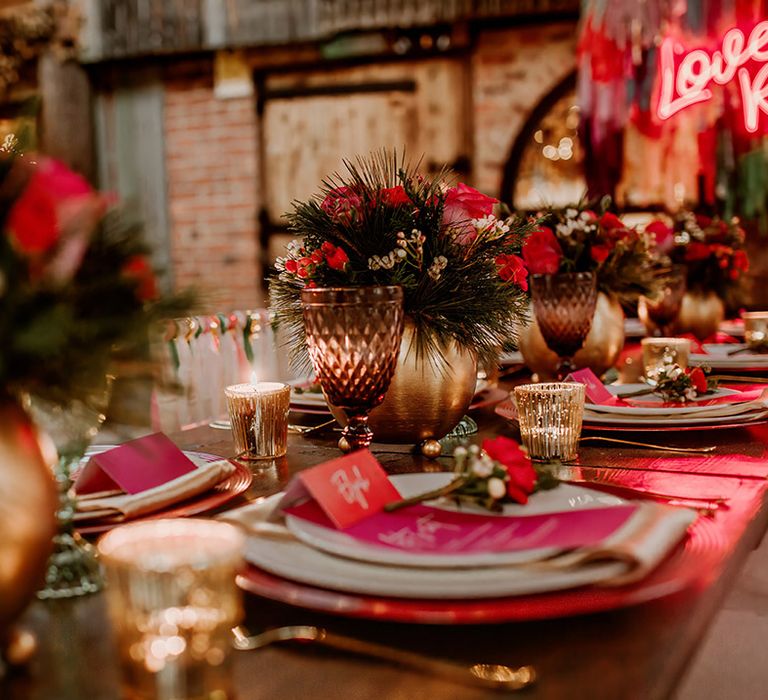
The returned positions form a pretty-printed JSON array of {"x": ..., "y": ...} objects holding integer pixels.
[
  {"x": 27, "y": 511},
  {"x": 701, "y": 313},
  {"x": 428, "y": 396},
  {"x": 600, "y": 351}
]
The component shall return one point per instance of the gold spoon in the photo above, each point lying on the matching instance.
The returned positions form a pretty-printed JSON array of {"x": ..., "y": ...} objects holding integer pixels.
[
  {"x": 496, "y": 676},
  {"x": 648, "y": 445}
]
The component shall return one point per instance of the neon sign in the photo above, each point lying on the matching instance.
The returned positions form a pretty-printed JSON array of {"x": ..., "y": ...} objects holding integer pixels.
[{"x": 686, "y": 81}]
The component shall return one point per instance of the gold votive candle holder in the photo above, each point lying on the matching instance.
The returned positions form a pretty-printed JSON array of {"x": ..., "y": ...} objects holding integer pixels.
[
  {"x": 550, "y": 417},
  {"x": 658, "y": 352},
  {"x": 173, "y": 601},
  {"x": 756, "y": 330},
  {"x": 258, "y": 414}
]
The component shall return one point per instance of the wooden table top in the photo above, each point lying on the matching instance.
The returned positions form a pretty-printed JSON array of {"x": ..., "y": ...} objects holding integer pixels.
[{"x": 635, "y": 652}]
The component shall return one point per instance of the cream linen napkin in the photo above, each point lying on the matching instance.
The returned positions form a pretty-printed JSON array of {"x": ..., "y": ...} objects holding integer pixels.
[
  {"x": 131, "y": 505},
  {"x": 641, "y": 543}
]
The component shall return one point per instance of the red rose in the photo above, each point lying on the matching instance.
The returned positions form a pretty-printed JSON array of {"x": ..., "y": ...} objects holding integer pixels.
[
  {"x": 600, "y": 252},
  {"x": 336, "y": 258},
  {"x": 740, "y": 261},
  {"x": 610, "y": 221},
  {"x": 663, "y": 235},
  {"x": 698, "y": 379},
  {"x": 462, "y": 204},
  {"x": 53, "y": 198},
  {"x": 697, "y": 251},
  {"x": 291, "y": 266},
  {"x": 394, "y": 196},
  {"x": 139, "y": 269},
  {"x": 512, "y": 269},
  {"x": 542, "y": 252},
  {"x": 342, "y": 205},
  {"x": 522, "y": 475}
]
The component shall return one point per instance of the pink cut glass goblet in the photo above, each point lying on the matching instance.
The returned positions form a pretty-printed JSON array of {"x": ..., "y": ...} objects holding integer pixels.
[
  {"x": 353, "y": 336},
  {"x": 564, "y": 305},
  {"x": 659, "y": 313}
]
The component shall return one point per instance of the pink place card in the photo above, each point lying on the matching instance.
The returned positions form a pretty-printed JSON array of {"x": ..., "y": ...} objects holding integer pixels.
[
  {"x": 136, "y": 466},
  {"x": 346, "y": 490},
  {"x": 594, "y": 388},
  {"x": 428, "y": 530}
]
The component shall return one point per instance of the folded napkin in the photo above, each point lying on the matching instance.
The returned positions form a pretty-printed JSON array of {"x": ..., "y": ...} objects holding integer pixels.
[
  {"x": 129, "y": 506},
  {"x": 644, "y": 540},
  {"x": 641, "y": 543}
]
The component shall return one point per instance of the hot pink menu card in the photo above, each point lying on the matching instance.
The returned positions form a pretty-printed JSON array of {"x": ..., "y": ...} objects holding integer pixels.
[
  {"x": 346, "y": 489},
  {"x": 136, "y": 466},
  {"x": 594, "y": 388},
  {"x": 428, "y": 530}
]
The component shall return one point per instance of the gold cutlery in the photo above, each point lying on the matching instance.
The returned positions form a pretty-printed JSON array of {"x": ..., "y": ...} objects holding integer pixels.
[
  {"x": 307, "y": 429},
  {"x": 647, "y": 445},
  {"x": 496, "y": 676}
]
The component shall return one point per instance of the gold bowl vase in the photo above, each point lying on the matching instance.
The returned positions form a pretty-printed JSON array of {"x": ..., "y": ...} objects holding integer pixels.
[
  {"x": 600, "y": 351},
  {"x": 701, "y": 313},
  {"x": 428, "y": 395},
  {"x": 27, "y": 507}
]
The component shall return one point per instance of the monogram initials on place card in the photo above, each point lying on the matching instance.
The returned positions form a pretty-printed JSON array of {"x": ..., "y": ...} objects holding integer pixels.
[{"x": 347, "y": 489}]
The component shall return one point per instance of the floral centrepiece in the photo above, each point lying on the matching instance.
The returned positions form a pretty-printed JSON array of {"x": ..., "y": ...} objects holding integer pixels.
[
  {"x": 76, "y": 286},
  {"x": 581, "y": 239},
  {"x": 712, "y": 250},
  {"x": 490, "y": 476},
  {"x": 385, "y": 224}
]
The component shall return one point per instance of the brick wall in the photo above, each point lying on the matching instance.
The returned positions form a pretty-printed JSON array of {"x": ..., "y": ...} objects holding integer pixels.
[
  {"x": 512, "y": 70},
  {"x": 211, "y": 169}
]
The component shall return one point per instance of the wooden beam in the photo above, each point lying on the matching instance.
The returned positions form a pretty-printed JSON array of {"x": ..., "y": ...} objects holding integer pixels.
[{"x": 66, "y": 115}]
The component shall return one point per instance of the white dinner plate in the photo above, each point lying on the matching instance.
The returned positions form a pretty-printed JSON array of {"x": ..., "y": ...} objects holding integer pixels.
[
  {"x": 591, "y": 418},
  {"x": 688, "y": 408},
  {"x": 564, "y": 498},
  {"x": 716, "y": 356}
]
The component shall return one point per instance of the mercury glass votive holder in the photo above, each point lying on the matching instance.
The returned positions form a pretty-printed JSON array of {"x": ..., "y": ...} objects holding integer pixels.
[
  {"x": 550, "y": 417},
  {"x": 258, "y": 414},
  {"x": 756, "y": 330},
  {"x": 173, "y": 601},
  {"x": 658, "y": 352}
]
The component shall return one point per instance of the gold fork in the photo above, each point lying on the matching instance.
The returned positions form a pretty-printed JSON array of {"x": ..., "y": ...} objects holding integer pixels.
[
  {"x": 648, "y": 445},
  {"x": 496, "y": 676}
]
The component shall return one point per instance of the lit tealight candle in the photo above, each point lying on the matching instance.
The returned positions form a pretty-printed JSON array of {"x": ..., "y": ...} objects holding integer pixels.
[{"x": 259, "y": 416}]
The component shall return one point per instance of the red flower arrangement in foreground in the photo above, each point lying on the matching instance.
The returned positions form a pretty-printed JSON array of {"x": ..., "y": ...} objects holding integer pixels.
[{"x": 74, "y": 283}]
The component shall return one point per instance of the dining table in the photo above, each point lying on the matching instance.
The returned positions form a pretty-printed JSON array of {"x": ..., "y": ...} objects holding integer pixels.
[{"x": 634, "y": 641}]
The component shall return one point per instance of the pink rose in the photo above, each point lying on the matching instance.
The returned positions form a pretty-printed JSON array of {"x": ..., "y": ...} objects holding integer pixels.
[
  {"x": 343, "y": 205},
  {"x": 462, "y": 204},
  {"x": 542, "y": 253}
]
